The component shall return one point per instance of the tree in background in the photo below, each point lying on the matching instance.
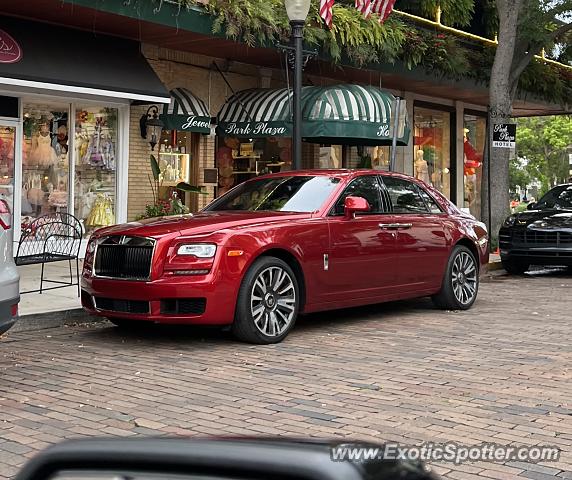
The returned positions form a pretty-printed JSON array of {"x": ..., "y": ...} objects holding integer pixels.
[
  {"x": 518, "y": 174},
  {"x": 525, "y": 28},
  {"x": 544, "y": 142}
]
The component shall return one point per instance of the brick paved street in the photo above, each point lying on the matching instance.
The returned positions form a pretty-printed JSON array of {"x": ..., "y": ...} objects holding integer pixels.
[{"x": 501, "y": 372}]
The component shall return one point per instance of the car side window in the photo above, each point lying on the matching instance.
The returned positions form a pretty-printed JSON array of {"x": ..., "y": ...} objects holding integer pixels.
[
  {"x": 430, "y": 201},
  {"x": 366, "y": 186},
  {"x": 404, "y": 195}
]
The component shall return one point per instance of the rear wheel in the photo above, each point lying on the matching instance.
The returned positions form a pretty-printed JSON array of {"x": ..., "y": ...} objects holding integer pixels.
[
  {"x": 268, "y": 302},
  {"x": 461, "y": 281},
  {"x": 515, "y": 267}
]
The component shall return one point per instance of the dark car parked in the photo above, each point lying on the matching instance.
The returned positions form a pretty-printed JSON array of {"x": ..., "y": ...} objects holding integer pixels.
[{"x": 540, "y": 236}]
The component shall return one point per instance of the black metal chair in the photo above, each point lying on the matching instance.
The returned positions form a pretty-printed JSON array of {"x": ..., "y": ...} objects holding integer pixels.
[{"x": 55, "y": 237}]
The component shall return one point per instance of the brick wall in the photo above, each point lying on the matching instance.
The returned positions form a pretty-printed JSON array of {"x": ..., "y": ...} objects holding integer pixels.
[{"x": 139, "y": 169}]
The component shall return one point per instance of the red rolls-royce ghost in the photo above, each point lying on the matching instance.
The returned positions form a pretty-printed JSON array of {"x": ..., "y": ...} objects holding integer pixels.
[{"x": 283, "y": 244}]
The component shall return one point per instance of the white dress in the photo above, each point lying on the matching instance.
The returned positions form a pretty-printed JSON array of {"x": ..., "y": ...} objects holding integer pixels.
[{"x": 43, "y": 153}]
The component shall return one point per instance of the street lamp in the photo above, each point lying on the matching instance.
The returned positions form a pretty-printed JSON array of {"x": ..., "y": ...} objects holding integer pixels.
[
  {"x": 297, "y": 11},
  {"x": 151, "y": 126}
]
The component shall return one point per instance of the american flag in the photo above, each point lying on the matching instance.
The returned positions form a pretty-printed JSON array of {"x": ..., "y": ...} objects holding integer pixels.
[
  {"x": 326, "y": 11},
  {"x": 364, "y": 6},
  {"x": 383, "y": 8}
]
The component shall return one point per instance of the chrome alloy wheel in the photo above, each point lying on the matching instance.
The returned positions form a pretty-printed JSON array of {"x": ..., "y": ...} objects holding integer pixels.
[
  {"x": 464, "y": 278},
  {"x": 273, "y": 301}
]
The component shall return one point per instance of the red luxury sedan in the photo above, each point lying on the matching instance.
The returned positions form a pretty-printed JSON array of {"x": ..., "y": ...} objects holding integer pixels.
[{"x": 283, "y": 244}]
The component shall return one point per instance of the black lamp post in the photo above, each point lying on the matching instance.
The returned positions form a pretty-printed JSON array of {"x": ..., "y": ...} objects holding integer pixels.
[
  {"x": 297, "y": 11},
  {"x": 151, "y": 126}
]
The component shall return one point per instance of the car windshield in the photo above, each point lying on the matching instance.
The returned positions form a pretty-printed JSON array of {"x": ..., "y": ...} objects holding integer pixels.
[
  {"x": 278, "y": 194},
  {"x": 559, "y": 197}
]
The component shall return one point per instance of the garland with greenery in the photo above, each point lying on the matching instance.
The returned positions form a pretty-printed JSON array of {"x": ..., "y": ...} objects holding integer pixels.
[{"x": 366, "y": 42}]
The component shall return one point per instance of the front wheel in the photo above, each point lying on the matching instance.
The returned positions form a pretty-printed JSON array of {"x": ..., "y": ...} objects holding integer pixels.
[
  {"x": 268, "y": 302},
  {"x": 461, "y": 281}
]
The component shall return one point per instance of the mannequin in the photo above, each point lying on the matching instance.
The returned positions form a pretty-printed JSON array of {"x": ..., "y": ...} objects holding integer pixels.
[
  {"x": 421, "y": 167},
  {"x": 378, "y": 161},
  {"x": 334, "y": 160}
]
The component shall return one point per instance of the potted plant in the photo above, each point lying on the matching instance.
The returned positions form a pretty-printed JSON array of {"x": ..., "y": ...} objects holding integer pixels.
[{"x": 172, "y": 205}]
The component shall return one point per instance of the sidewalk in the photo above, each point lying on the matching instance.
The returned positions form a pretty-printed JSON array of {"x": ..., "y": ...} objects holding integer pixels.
[{"x": 50, "y": 308}]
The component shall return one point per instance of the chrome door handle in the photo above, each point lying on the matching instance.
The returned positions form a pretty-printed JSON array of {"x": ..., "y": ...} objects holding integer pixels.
[{"x": 395, "y": 226}]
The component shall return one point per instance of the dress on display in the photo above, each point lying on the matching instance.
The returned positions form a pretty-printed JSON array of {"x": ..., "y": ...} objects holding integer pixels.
[
  {"x": 26, "y": 205},
  {"x": 42, "y": 153},
  {"x": 36, "y": 194},
  {"x": 101, "y": 214}
]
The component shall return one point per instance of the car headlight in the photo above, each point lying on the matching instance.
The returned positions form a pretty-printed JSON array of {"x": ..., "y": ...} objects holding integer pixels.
[
  {"x": 510, "y": 221},
  {"x": 200, "y": 250}
]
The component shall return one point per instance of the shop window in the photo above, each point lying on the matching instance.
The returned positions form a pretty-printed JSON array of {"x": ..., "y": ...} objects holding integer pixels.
[
  {"x": 432, "y": 148},
  {"x": 346, "y": 156},
  {"x": 331, "y": 156},
  {"x": 45, "y": 161},
  {"x": 175, "y": 159},
  {"x": 241, "y": 159},
  {"x": 95, "y": 166},
  {"x": 475, "y": 128}
]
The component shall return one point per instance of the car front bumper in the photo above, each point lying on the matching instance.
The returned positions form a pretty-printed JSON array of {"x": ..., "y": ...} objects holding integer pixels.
[
  {"x": 532, "y": 253},
  {"x": 205, "y": 300}
]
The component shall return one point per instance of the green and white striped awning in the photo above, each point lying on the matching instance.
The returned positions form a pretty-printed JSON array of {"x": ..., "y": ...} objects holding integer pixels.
[
  {"x": 186, "y": 112},
  {"x": 256, "y": 113},
  {"x": 339, "y": 114},
  {"x": 352, "y": 114}
]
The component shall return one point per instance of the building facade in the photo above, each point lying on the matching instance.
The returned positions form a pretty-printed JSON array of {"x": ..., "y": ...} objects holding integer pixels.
[{"x": 71, "y": 136}]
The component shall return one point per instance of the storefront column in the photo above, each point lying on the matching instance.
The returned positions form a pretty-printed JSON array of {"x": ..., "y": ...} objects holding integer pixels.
[
  {"x": 459, "y": 177},
  {"x": 123, "y": 167}
]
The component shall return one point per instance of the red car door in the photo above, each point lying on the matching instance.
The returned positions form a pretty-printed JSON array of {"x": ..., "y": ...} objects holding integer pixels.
[
  {"x": 362, "y": 255},
  {"x": 422, "y": 246}
]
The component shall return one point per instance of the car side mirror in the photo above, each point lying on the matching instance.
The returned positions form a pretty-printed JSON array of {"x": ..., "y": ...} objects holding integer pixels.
[
  {"x": 532, "y": 206},
  {"x": 224, "y": 459},
  {"x": 353, "y": 205}
]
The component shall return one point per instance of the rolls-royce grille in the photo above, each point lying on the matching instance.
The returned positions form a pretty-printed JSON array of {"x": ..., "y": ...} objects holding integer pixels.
[
  {"x": 122, "y": 306},
  {"x": 126, "y": 258},
  {"x": 542, "y": 237}
]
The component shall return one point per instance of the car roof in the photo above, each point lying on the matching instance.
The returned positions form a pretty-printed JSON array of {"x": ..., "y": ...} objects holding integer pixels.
[{"x": 334, "y": 172}]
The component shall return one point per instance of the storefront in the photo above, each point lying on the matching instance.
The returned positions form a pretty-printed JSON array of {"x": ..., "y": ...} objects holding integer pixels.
[{"x": 64, "y": 125}]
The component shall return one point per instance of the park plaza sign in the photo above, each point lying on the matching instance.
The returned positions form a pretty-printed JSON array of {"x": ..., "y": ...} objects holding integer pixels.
[{"x": 284, "y": 129}]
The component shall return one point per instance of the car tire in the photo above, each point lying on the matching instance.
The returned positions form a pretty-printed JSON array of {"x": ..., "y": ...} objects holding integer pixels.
[
  {"x": 461, "y": 281},
  {"x": 515, "y": 267},
  {"x": 268, "y": 302}
]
